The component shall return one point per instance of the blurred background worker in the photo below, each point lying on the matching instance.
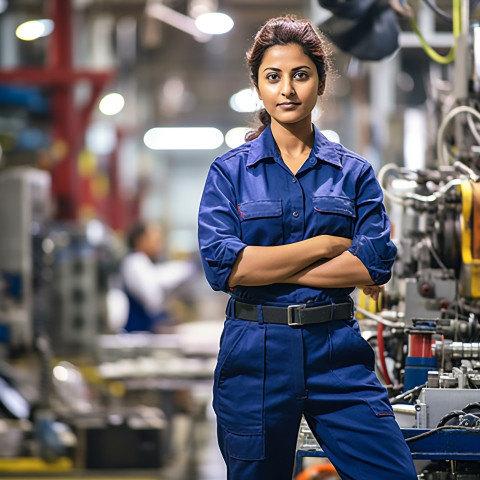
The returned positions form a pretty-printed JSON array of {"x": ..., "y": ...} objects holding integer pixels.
[{"x": 147, "y": 281}]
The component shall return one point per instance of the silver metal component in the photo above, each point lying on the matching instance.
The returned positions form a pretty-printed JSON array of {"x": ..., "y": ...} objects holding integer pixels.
[
  {"x": 460, "y": 165},
  {"x": 306, "y": 439},
  {"x": 434, "y": 403},
  {"x": 462, "y": 56},
  {"x": 456, "y": 350},
  {"x": 290, "y": 314},
  {"x": 433, "y": 379},
  {"x": 446, "y": 381},
  {"x": 436, "y": 195},
  {"x": 476, "y": 57},
  {"x": 405, "y": 415},
  {"x": 421, "y": 409},
  {"x": 379, "y": 319}
]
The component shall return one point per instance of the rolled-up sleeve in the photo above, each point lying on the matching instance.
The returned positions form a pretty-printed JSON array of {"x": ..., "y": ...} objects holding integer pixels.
[
  {"x": 371, "y": 241},
  {"x": 219, "y": 228}
]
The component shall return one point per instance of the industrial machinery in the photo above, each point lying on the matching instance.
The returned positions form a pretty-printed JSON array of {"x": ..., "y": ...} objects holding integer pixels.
[
  {"x": 24, "y": 210},
  {"x": 428, "y": 333},
  {"x": 426, "y": 329}
]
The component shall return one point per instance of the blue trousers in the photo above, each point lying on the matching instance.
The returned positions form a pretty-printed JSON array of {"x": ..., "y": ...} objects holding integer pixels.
[{"x": 268, "y": 375}]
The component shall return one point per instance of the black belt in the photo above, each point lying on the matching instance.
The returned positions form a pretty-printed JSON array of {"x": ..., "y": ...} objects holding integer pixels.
[{"x": 295, "y": 314}]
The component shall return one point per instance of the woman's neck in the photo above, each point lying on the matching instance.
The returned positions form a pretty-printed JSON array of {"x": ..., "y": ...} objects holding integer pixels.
[{"x": 294, "y": 142}]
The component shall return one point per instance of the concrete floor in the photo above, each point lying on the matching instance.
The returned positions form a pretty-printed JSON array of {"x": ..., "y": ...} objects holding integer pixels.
[{"x": 196, "y": 455}]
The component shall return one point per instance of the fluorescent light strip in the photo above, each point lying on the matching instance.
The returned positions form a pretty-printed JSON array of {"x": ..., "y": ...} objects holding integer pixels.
[
  {"x": 236, "y": 136},
  {"x": 214, "y": 23},
  {"x": 186, "y": 138}
]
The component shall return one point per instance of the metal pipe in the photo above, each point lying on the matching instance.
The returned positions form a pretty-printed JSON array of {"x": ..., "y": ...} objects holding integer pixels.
[{"x": 378, "y": 318}]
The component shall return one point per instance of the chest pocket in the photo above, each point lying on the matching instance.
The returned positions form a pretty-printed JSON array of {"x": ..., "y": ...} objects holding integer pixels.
[
  {"x": 334, "y": 216},
  {"x": 262, "y": 222}
]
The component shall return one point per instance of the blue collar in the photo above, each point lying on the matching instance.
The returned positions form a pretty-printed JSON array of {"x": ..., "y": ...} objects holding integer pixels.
[{"x": 264, "y": 147}]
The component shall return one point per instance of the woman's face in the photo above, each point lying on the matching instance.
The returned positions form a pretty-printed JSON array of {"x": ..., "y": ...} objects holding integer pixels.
[
  {"x": 288, "y": 83},
  {"x": 151, "y": 242}
]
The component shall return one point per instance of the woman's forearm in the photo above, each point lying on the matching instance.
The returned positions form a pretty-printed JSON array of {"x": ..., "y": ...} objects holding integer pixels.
[
  {"x": 345, "y": 270},
  {"x": 257, "y": 265}
]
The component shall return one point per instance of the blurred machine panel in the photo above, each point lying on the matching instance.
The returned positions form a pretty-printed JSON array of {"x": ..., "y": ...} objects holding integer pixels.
[
  {"x": 24, "y": 207},
  {"x": 75, "y": 314}
]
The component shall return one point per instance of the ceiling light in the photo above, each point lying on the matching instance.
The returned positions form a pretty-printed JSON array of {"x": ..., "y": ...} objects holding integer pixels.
[
  {"x": 245, "y": 100},
  {"x": 188, "y": 138},
  {"x": 214, "y": 23},
  {"x": 175, "y": 19},
  {"x": 199, "y": 7},
  {"x": 34, "y": 29},
  {"x": 95, "y": 232},
  {"x": 101, "y": 138},
  {"x": 111, "y": 104},
  {"x": 236, "y": 136}
]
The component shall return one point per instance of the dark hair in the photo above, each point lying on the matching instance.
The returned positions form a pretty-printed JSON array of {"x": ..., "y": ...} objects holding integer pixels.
[
  {"x": 135, "y": 233},
  {"x": 283, "y": 31}
]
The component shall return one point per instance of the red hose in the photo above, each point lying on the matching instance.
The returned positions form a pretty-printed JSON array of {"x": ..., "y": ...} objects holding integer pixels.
[{"x": 381, "y": 354}]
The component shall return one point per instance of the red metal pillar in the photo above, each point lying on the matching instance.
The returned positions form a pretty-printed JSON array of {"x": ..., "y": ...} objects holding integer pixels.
[
  {"x": 69, "y": 121},
  {"x": 65, "y": 187},
  {"x": 116, "y": 204}
]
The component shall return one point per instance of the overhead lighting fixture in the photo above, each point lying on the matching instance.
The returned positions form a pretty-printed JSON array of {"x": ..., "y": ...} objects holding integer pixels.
[
  {"x": 214, "y": 23},
  {"x": 34, "y": 29},
  {"x": 101, "y": 138},
  {"x": 245, "y": 100},
  {"x": 95, "y": 232},
  {"x": 186, "y": 138},
  {"x": 175, "y": 19},
  {"x": 198, "y": 7},
  {"x": 236, "y": 136},
  {"x": 111, "y": 104}
]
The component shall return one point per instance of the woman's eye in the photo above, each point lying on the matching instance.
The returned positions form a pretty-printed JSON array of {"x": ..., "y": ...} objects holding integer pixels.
[
  {"x": 300, "y": 75},
  {"x": 272, "y": 76}
]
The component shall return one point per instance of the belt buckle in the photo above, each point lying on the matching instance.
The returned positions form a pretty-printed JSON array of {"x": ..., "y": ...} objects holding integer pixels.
[{"x": 290, "y": 313}]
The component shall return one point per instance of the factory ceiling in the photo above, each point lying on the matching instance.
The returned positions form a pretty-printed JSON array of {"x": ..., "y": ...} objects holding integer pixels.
[
  {"x": 172, "y": 78},
  {"x": 168, "y": 77}
]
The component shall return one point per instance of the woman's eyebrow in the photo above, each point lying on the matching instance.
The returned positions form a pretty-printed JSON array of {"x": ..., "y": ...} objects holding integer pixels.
[
  {"x": 293, "y": 69},
  {"x": 300, "y": 67}
]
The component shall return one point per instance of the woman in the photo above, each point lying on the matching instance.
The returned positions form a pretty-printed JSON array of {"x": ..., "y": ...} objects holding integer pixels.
[
  {"x": 147, "y": 283},
  {"x": 289, "y": 224}
]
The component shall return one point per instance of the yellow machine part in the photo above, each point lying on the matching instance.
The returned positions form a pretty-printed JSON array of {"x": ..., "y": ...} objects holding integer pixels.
[
  {"x": 35, "y": 465},
  {"x": 470, "y": 226},
  {"x": 366, "y": 302}
]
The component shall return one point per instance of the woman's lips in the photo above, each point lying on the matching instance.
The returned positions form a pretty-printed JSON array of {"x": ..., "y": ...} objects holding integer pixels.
[{"x": 288, "y": 105}]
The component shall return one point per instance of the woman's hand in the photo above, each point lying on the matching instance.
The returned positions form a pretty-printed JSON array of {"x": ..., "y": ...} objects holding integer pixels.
[{"x": 373, "y": 290}]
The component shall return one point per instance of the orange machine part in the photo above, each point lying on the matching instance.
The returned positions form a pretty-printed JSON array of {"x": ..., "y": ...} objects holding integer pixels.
[{"x": 317, "y": 472}]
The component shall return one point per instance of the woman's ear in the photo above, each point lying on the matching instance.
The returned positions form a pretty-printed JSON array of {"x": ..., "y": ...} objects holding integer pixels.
[
  {"x": 257, "y": 90},
  {"x": 321, "y": 88}
]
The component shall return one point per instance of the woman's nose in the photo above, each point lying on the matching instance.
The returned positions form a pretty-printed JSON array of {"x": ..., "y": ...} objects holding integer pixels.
[{"x": 287, "y": 88}]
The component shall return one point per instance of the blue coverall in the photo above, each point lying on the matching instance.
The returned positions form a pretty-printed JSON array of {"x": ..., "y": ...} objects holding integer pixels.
[{"x": 268, "y": 375}]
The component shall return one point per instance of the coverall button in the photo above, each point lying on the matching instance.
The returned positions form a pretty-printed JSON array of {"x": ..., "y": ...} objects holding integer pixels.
[
  {"x": 294, "y": 179},
  {"x": 295, "y": 214}
]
